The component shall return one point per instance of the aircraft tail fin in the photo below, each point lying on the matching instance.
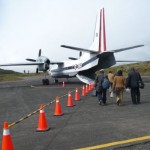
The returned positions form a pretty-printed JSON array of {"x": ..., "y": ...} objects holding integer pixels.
[{"x": 99, "y": 41}]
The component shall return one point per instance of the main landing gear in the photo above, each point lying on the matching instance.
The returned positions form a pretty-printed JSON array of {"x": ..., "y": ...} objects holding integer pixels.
[
  {"x": 56, "y": 81},
  {"x": 45, "y": 82}
]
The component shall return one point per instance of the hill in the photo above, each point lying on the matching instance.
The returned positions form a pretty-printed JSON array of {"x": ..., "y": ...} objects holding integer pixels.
[
  {"x": 9, "y": 75},
  {"x": 2, "y": 71},
  {"x": 143, "y": 68}
]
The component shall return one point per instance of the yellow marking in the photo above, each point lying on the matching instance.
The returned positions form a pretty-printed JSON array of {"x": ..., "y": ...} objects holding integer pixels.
[
  {"x": 11, "y": 125},
  {"x": 29, "y": 115},
  {"x": 116, "y": 143},
  {"x": 21, "y": 119}
]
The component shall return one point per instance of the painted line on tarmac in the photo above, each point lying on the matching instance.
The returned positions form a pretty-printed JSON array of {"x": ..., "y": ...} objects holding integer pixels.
[{"x": 116, "y": 143}]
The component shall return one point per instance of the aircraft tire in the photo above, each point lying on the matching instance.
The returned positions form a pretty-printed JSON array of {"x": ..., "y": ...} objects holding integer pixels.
[
  {"x": 47, "y": 81},
  {"x": 43, "y": 81},
  {"x": 56, "y": 81}
]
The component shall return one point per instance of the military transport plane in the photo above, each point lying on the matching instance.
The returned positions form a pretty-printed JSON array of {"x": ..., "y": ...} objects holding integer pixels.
[{"x": 84, "y": 67}]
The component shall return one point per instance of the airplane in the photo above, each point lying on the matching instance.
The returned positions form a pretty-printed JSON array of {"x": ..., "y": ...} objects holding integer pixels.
[{"x": 90, "y": 60}]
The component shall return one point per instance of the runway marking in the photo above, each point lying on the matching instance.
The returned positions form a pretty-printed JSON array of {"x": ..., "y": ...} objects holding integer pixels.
[{"x": 116, "y": 143}]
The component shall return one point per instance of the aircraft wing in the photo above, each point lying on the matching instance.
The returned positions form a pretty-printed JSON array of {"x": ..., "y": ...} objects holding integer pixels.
[
  {"x": 22, "y": 64},
  {"x": 56, "y": 62},
  {"x": 34, "y": 63},
  {"x": 93, "y": 51}
]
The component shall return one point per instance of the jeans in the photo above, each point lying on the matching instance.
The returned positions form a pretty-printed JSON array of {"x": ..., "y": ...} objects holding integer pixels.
[
  {"x": 135, "y": 95},
  {"x": 102, "y": 95}
]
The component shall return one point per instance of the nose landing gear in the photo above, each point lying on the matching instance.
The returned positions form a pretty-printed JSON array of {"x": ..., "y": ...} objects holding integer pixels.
[
  {"x": 45, "y": 81},
  {"x": 56, "y": 81}
]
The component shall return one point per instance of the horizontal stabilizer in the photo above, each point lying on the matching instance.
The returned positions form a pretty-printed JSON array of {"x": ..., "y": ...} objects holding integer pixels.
[
  {"x": 79, "y": 49},
  {"x": 94, "y": 51},
  {"x": 127, "y": 48},
  {"x": 128, "y": 61}
]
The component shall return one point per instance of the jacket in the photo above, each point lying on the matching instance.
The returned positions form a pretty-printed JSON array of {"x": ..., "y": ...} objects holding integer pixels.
[
  {"x": 119, "y": 81},
  {"x": 133, "y": 79},
  {"x": 98, "y": 82},
  {"x": 111, "y": 77}
]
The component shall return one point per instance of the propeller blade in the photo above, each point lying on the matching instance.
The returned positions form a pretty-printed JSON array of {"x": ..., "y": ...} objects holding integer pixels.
[
  {"x": 72, "y": 58},
  {"x": 80, "y": 54},
  {"x": 33, "y": 60},
  {"x": 37, "y": 71},
  {"x": 39, "y": 52}
]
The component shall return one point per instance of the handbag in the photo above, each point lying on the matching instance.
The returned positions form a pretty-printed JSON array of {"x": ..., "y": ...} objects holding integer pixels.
[
  {"x": 112, "y": 94},
  {"x": 141, "y": 84},
  {"x": 94, "y": 93}
]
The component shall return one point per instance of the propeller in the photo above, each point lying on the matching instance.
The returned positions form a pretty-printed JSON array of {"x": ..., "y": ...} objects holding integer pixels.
[
  {"x": 39, "y": 52},
  {"x": 37, "y": 71},
  {"x": 33, "y": 60},
  {"x": 80, "y": 54},
  {"x": 43, "y": 61}
]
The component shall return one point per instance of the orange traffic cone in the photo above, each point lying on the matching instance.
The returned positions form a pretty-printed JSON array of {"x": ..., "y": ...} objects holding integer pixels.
[
  {"x": 89, "y": 89},
  {"x": 86, "y": 89},
  {"x": 83, "y": 91},
  {"x": 58, "y": 111},
  {"x": 6, "y": 139},
  {"x": 77, "y": 98},
  {"x": 42, "y": 124},
  {"x": 63, "y": 84},
  {"x": 70, "y": 101},
  {"x": 92, "y": 86}
]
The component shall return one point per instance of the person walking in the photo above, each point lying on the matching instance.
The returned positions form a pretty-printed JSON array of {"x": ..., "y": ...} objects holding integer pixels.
[
  {"x": 132, "y": 82},
  {"x": 111, "y": 79},
  {"x": 101, "y": 92},
  {"x": 118, "y": 86}
]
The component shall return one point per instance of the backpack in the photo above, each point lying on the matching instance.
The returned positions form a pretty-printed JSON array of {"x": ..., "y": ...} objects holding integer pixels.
[{"x": 105, "y": 83}]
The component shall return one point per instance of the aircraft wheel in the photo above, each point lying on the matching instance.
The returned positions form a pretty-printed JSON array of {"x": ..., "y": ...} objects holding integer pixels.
[
  {"x": 43, "y": 81},
  {"x": 56, "y": 81},
  {"x": 47, "y": 81}
]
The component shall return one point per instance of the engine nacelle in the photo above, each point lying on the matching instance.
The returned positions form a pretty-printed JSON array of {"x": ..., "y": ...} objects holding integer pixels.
[{"x": 44, "y": 67}]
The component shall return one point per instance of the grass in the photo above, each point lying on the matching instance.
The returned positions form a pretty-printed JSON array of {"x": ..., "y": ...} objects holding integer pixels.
[
  {"x": 143, "y": 68},
  {"x": 15, "y": 77}
]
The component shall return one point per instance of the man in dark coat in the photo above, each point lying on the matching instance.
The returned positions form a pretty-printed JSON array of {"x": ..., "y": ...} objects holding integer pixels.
[
  {"x": 101, "y": 93},
  {"x": 132, "y": 82}
]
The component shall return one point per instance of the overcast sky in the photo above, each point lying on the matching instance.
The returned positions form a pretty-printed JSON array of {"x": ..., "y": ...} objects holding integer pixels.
[{"x": 29, "y": 25}]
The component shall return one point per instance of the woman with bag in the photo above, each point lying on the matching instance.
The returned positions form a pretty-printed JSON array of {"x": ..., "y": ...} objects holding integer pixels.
[
  {"x": 118, "y": 86},
  {"x": 111, "y": 79}
]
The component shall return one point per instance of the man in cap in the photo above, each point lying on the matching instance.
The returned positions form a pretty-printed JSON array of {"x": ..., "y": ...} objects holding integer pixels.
[{"x": 101, "y": 93}]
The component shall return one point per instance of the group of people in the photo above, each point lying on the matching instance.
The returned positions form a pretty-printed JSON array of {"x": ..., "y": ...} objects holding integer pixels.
[{"x": 117, "y": 84}]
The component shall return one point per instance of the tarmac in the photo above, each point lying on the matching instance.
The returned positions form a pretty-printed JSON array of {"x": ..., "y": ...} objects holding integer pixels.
[{"x": 87, "y": 125}]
